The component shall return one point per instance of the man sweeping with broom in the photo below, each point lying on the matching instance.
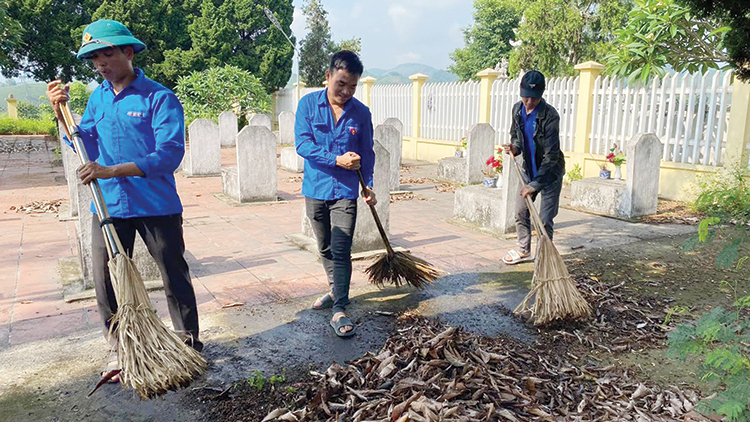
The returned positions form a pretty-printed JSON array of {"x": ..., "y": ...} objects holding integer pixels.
[
  {"x": 133, "y": 131},
  {"x": 535, "y": 134},
  {"x": 333, "y": 133}
]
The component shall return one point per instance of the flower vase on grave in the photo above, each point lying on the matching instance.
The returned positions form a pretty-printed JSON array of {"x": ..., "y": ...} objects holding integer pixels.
[
  {"x": 618, "y": 173},
  {"x": 490, "y": 182}
]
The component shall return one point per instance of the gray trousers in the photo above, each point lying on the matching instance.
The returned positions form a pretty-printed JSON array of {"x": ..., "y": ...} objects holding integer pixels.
[
  {"x": 163, "y": 238},
  {"x": 548, "y": 211},
  {"x": 333, "y": 225}
]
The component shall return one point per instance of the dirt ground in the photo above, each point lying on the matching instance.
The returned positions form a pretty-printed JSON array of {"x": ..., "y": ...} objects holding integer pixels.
[{"x": 653, "y": 277}]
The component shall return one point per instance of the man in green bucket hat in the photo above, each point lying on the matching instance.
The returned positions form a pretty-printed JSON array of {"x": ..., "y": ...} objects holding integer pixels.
[{"x": 134, "y": 132}]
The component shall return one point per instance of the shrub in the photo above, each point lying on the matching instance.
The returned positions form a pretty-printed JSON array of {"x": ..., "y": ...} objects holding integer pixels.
[
  {"x": 28, "y": 110},
  {"x": 78, "y": 97},
  {"x": 10, "y": 126},
  {"x": 723, "y": 194},
  {"x": 573, "y": 175},
  {"x": 208, "y": 93}
]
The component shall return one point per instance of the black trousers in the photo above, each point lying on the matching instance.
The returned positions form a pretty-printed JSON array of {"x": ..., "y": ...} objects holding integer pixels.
[
  {"x": 164, "y": 240},
  {"x": 333, "y": 225}
]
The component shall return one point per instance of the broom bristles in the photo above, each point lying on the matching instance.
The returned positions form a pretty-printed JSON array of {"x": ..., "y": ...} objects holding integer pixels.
[
  {"x": 402, "y": 268},
  {"x": 554, "y": 292},
  {"x": 152, "y": 357}
]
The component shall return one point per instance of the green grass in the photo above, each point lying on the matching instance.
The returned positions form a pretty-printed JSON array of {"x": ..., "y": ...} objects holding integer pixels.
[{"x": 10, "y": 126}]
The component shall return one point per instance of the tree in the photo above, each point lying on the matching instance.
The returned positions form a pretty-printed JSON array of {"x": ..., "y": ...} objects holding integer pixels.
[
  {"x": 10, "y": 35},
  {"x": 662, "y": 33},
  {"x": 317, "y": 45},
  {"x": 354, "y": 45},
  {"x": 487, "y": 41},
  {"x": 47, "y": 46},
  {"x": 181, "y": 35},
  {"x": 555, "y": 35},
  {"x": 194, "y": 35},
  {"x": 208, "y": 93},
  {"x": 734, "y": 14}
]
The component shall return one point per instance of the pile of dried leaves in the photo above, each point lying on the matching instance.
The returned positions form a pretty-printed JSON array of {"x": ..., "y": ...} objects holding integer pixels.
[
  {"x": 405, "y": 196},
  {"x": 673, "y": 212},
  {"x": 415, "y": 180},
  {"x": 294, "y": 179},
  {"x": 431, "y": 372},
  {"x": 446, "y": 187},
  {"x": 38, "y": 207}
]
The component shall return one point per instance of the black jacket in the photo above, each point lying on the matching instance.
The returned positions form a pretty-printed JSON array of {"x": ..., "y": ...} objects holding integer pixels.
[{"x": 550, "y": 161}]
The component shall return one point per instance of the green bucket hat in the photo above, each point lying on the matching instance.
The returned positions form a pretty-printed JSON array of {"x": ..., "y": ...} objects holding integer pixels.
[{"x": 104, "y": 34}]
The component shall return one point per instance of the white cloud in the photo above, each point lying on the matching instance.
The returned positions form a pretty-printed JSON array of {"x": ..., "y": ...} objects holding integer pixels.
[{"x": 409, "y": 57}]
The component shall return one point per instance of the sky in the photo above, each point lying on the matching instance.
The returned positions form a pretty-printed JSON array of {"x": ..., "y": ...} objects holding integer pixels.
[{"x": 394, "y": 32}]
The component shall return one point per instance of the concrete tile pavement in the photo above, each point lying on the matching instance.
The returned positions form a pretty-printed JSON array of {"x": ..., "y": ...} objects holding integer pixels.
[{"x": 237, "y": 254}]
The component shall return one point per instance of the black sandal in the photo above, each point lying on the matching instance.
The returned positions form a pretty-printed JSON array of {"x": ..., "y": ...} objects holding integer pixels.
[
  {"x": 343, "y": 322},
  {"x": 326, "y": 302}
]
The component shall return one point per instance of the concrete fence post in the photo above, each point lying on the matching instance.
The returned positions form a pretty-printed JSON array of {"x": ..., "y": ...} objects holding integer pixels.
[
  {"x": 12, "y": 106},
  {"x": 584, "y": 113},
  {"x": 487, "y": 78},
  {"x": 298, "y": 92},
  {"x": 738, "y": 131},
  {"x": 418, "y": 80},
  {"x": 367, "y": 83}
]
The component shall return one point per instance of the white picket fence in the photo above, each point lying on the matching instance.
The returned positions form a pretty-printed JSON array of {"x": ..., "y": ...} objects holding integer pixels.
[
  {"x": 688, "y": 112},
  {"x": 392, "y": 101},
  {"x": 449, "y": 109},
  {"x": 561, "y": 93}
]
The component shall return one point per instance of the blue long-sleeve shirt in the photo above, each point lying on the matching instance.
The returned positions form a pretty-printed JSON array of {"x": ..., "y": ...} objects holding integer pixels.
[
  {"x": 319, "y": 141},
  {"x": 143, "y": 124}
]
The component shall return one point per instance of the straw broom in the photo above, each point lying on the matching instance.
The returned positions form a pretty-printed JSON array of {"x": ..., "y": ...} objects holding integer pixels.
[
  {"x": 395, "y": 267},
  {"x": 152, "y": 357},
  {"x": 553, "y": 290}
]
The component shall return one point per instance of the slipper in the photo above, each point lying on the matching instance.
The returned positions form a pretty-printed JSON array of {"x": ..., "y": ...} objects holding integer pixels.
[
  {"x": 343, "y": 322},
  {"x": 516, "y": 258},
  {"x": 326, "y": 301},
  {"x": 112, "y": 372}
]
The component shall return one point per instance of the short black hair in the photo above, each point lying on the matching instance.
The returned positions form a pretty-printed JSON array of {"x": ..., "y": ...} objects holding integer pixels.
[{"x": 348, "y": 61}]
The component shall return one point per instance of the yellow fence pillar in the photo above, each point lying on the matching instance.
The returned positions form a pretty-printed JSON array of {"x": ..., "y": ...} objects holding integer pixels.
[
  {"x": 298, "y": 91},
  {"x": 585, "y": 111},
  {"x": 12, "y": 106},
  {"x": 487, "y": 78},
  {"x": 418, "y": 80},
  {"x": 367, "y": 83},
  {"x": 738, "y": 131}
]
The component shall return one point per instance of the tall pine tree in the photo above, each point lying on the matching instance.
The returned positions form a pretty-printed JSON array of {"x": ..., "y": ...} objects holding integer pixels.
[{"x": 317, "y": 45}]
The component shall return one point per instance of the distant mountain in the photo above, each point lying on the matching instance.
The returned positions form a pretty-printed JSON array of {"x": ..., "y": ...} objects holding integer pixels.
[{"x": 399, "y": 74}]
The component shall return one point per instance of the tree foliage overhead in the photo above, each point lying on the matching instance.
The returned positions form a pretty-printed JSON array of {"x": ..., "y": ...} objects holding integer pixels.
[
  {"x": 181, "y": 35},
  {"x": 662, "y": 33},
  {"x": 10, "y": 35},
  {"x": 736, "y": 15},
  {"x": 317, "y": 46},
  {"x": 556, "y": 35},
  {"x": 487, "y": 41}
]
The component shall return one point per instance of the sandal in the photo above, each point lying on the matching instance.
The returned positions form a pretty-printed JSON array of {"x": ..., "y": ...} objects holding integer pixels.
[
  {"x": 326, "y": 302},
  {"x": 516, "y": 258},
  {"x": 112, "y": 372},
  {"x": 343, "y": 322}
]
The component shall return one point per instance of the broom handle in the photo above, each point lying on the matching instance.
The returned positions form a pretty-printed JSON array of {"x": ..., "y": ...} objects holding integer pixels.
[
  {"x": 535, "y": 217},
  {"x": 114, "y": 246},
  {"x": 375, "y": 216}
]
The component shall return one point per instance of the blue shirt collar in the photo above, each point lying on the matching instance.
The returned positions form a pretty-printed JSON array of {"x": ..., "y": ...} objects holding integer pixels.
[{"x": 137, "y": 83}]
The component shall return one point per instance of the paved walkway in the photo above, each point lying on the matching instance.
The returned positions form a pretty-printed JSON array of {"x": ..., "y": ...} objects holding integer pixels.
[{"x": 237, "y": 254}]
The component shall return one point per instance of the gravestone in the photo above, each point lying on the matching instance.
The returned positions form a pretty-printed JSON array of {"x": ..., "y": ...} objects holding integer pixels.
[
  {"x": 637, "y": 195},
  {"x": 286, "y": 128},
  {"x": 480, "y": 145},
  {"x": 260, "y": 120},
  {"x": 389, "y": 138},
  {"x": 396, "y": 123},
  {"x": 644, "y": 156},
  {"x": 491, "y": 209},
  {"x": 228, "y": 128},
  {"x": 366, "y": 235},
  {"x": 291, "y": 161},
  {"x": 254, "y": 178},
  {"x": 203, "y": 158}
]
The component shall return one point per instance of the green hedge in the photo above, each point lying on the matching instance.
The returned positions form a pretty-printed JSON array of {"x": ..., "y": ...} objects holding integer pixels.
[{"x": 10, "y": 126}]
